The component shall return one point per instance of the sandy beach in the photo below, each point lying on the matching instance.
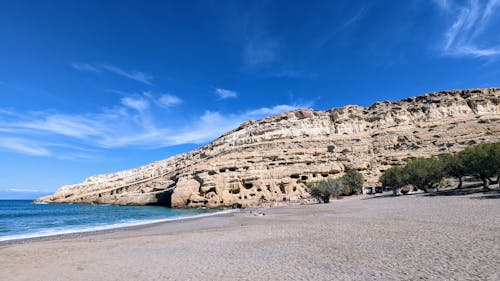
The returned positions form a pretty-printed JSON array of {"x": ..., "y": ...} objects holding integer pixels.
[{"x": 415, "y": 237}]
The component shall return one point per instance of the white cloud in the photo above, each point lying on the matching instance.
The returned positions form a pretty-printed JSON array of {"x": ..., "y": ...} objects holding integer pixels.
[
  {"x": 277, "y": 109},
  {"x": 67, "y": 125},
  {"x": 443, "y": 4},
  {"x": 23, "y": 146},
  {"x": 225, "y": 93},
  {"x": 287, "y": 73},
  {"x": 61, "y": 134},
  {"x": 84, "y": 67},
  {"x": 169, "y": 100},
  {"x": 207, "y": 127},
  {"x": 23, "y": 190},
  {"x": 260, "y": 50},
  {"x": 7, "y": 112},
  {"x": 355, "y": 18},
  {"x": 471, "y": 20},
  {"x": 328, "y": 35},
  {"x": 138, "y": 104},
  {"x": 134, "y": 75},
  {"x": 213, "y": 124}
]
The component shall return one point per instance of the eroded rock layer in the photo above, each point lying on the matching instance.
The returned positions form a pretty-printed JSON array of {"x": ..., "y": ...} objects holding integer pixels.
[{"x": 271, "y": 161}]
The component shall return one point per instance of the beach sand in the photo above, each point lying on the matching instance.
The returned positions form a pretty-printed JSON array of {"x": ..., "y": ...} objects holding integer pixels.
[{"x": 413, "y": 237}]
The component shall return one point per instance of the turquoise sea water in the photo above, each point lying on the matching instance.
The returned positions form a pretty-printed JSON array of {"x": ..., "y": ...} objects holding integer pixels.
[{"x": 23, "y": 219}]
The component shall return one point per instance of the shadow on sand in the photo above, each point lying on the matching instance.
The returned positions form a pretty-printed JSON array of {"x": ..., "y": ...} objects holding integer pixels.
[
  {"x": 387, "y": 195},
  {"x": 493, "y": 194},
  {"x": 487, "y": 194}
]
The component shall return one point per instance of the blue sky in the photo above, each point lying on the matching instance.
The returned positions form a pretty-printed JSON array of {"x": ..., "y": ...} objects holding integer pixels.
[{"x": 92, "y": 87}]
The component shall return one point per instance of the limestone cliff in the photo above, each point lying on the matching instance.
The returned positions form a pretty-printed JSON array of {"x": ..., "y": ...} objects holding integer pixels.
[{"x": 269, "y": 162}]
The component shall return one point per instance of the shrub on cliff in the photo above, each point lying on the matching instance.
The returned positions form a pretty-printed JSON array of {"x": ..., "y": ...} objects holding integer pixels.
[
  {"x": 352, "y": 183},
  {"x": 323, "y": 190}
]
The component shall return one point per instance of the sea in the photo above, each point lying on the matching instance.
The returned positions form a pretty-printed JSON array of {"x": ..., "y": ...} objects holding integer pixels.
[{"x": 21, "y": 219}]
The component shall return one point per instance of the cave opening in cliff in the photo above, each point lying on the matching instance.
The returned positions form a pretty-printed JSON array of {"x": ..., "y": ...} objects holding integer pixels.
[
  {"x": 165, "y": 198},
  {"x": 234, "y": 190}
]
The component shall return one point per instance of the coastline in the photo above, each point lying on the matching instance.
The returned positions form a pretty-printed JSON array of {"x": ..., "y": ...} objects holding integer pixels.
[
  {"x": 79, "y": 233},
  {"x": 156, "y": 222},
  {"x": 373, "y": 238}
]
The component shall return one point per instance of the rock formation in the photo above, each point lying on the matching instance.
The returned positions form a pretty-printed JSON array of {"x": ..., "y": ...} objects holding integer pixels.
[{"x": 271, "y": 161}]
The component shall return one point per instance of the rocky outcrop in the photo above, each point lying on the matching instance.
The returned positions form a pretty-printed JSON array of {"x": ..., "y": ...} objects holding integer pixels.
[{"x": 271, "y": 161}]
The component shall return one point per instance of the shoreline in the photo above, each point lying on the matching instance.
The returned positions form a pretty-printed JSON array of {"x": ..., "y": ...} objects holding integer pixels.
[
  {"x": 218, "y": 213},
  {"x": 112, "y": 228},
  {"x": 427, "y": 237},
  {"x": 105, "y": 230},
  {"x": 168, "y": 221}
]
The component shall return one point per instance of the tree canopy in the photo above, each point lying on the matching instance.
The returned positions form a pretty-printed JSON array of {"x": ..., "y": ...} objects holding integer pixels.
[
  {"x": 424, "y": 173},
  {"x": 352, "y": 182},
  {"x": 454, "y": 166},
  {"x": 482, "y": 161},
  {"x": 324, "y": 189},
  {"x": 394, "y": 177}
]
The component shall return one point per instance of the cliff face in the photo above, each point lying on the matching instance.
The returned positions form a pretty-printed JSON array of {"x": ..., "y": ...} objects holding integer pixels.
[{"x": 269, "y": 162}]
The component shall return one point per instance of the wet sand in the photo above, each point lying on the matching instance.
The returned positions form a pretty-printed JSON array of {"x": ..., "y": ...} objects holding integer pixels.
[{"x": 413, "y": 237}]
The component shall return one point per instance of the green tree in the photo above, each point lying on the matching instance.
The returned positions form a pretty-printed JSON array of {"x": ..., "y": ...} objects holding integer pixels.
[
  {"x": 424, "y": 173},
  {"x": 454, "y": 166},
  {"x": 324, "y": 189},
  {"x": 352, "y": 182},
  {"x": 393, "y": 177},
  {"x": 483, "y": 161}
]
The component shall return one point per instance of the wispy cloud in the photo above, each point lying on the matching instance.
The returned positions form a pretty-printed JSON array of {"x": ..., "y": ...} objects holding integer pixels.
[
  {"x": 62, "y": 124},
  {"x": 169, "y": 100},
  {"x": 139, "y": 104},
  {"x": 260, "y": 49},
  {"x": 355, "y": 18},
  {"x": 84, "y": 67},
  {"x": 286, "y": 73},
  {"x": 23, "y": 190},
  {"x": 138, "y": 76},
  {"x": 23, "y": 146},
  {"x": 225, "y": 93},
  {"x": 443, "y": 4},
  {"x": 213, "y": 124},
  {"x": 134, "y": 75},
  {"x": 471, "y": 21},
  {"x": 277, "y": 109},
  {"x": 351, "y": 21},
  {"x": 136, "y": 121}
]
